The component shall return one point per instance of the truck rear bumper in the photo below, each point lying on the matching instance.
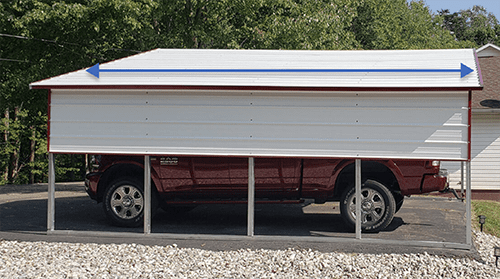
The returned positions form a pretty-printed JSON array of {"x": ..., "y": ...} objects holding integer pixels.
[{"x": 436, "y": 182}]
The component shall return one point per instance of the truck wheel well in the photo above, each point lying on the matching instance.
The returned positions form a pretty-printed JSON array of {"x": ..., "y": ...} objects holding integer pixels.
[
  {"x": 116, "y": 171},
  {"x": 369, "y": 170}
]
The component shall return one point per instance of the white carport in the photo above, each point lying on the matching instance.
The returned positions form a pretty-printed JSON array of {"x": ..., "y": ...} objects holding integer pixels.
[{"x": 267, "y": 103}]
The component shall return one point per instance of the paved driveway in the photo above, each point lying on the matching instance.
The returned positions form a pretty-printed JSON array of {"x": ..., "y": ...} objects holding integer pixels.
[{"x": 23, "y": 212}]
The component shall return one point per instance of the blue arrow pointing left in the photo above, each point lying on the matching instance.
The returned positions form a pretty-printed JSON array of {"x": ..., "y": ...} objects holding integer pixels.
[
  {"x": 464, "y": 70},
  {"x": 94, "y": 70}
]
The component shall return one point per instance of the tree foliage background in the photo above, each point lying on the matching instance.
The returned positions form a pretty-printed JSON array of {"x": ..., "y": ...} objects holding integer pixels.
[
  {"x": 476, "y": 25},
  {"x": 44, "y": 38}
]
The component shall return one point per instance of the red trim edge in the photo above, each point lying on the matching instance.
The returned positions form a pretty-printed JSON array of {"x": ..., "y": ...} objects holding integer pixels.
[
  {"x": 469, "y": 155},
  {"x": 255, "y": 88},
  {"x": 49, "y": 101}
]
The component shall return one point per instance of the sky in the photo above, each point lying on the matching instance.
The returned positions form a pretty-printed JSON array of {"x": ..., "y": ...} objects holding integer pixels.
[{"x": 492, "y": 6}]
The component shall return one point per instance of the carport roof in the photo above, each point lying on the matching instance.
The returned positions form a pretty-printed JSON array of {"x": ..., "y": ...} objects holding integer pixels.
[{"x": 452, "y": 69}]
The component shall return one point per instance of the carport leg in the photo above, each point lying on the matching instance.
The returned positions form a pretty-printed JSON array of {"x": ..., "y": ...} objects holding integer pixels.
[
  {"x": 51, "y": 208},
  {"x": 251, "y": 196},
  {"x": 147, "y": 195},
  {"x": 357, "y": 182},
  {"x": 462, "y": 179},
  {"x": 468, "y": 197}
]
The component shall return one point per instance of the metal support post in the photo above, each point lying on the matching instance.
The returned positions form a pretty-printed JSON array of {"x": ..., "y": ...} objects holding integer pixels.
[
  {"x": 51, "y": 201},
  {"x": 462, "y": 179},
  {"x": 469, "y": 205},
  {"x": 357, "y": 183},
  {"x": 251, "y": 196},
  {"x": 147, "y": 195}
]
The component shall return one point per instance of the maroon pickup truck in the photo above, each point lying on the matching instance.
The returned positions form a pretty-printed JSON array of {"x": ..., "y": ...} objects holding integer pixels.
[{"x": 180, "y": 183}]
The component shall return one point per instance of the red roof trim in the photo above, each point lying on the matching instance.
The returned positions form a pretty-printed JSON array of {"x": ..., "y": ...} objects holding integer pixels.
[
  {"x": 469, "y": 132},
  {"x": 257, "y": 88},
  {"x": 48, "y": 119},
  {"x": 285, "y": 157}
]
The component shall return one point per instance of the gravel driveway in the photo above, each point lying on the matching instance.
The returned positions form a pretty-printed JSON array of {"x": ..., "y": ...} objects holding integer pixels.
[{"x": 76, "y": 260}]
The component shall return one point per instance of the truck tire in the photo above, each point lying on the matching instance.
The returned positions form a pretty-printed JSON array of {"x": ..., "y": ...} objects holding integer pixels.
[
  {"x": 123, "y": 202},
  {"x": 377, "y": 206},
  {"x": 399, "y": 199}
]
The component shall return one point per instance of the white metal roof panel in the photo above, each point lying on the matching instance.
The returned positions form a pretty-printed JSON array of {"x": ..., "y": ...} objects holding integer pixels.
[{"x": 235, "y": 64}]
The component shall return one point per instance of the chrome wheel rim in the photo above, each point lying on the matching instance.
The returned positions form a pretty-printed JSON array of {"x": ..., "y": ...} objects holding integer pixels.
[
  {"x": 372, "y": 206},
  {"x": 127, "y": 202}
]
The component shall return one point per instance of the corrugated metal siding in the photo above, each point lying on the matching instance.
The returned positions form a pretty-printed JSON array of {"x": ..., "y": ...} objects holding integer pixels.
[
  {"x": 282, "y": 59},
  {"x": 430, "y": 125},
  {"x": 485, "y": 165}
]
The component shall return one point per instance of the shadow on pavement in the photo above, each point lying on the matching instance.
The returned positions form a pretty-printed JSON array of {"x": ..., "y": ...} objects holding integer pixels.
[
  {"x": 83, "y": 214},
  {"x": 419, "y": 219}
]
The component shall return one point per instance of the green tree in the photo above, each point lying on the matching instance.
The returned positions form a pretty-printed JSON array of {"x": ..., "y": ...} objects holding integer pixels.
[
  {"x": 262, "y": 24},
  {"x": 475, "y": 25},
  {"x": 396, "y": 24}
]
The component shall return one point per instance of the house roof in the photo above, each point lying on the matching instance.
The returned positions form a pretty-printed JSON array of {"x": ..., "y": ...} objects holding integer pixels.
[
  {"x": 280, "y": 69},
  {"x": 488, "y": 50},
  {"x": 489, "y": 97}
]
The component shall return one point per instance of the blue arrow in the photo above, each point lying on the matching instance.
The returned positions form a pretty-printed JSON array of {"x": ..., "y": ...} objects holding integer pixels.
[
  {"x": 95, "y": 70},
  {"x": 464, "y": 70}
]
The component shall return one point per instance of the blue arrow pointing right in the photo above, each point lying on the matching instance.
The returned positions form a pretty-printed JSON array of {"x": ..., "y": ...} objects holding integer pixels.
[{"x": 464, "y": 70}]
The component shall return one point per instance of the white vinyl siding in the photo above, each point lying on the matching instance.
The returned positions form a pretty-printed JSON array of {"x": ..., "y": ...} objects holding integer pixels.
[
  {"x": 419, "y": 125},
  {"x": 485, "y": 166}
]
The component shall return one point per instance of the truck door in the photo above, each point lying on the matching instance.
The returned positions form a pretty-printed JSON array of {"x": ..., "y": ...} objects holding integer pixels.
[
  {"x": 194, "y": 177},
  {"x": 211, "y": 177},
  {"x": 275, "y": 178},
  {"x": 175, "y": 175}
]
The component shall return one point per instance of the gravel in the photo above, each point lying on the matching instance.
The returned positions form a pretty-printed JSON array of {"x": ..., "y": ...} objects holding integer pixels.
[{"x": 70, "y": 260}]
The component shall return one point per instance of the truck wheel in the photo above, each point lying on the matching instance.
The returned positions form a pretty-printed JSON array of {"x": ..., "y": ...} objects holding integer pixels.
[
  {"x": 399, "y": 199},
  {"x": 377, "y": 206},
  {"x": 123, "y": 202}
]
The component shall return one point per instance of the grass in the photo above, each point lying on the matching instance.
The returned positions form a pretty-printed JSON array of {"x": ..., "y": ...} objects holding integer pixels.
[{"x": 490, "y": 209}]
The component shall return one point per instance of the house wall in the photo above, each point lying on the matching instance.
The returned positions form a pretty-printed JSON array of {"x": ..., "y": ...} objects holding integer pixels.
[
  {"x": 421, "y": 125},
  {"x": 485, "y": 165}
]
